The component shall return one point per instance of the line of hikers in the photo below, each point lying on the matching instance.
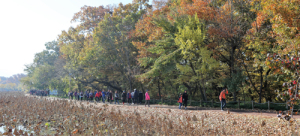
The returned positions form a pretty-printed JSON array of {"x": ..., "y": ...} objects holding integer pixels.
[
  {"x": 133, "y": 97},
  {"x": 39, "y": 92}
]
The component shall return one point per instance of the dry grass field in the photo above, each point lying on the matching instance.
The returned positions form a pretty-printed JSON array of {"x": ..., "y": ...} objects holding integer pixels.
[{"x": 44, "y": 116}]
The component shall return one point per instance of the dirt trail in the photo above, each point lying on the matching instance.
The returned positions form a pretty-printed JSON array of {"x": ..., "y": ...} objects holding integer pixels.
[{"x": 216, "y": 110}]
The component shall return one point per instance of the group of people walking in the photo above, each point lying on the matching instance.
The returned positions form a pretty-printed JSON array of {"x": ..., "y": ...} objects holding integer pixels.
[
  {"x": 133, "y": 97},
  {"x": 39, "y": 92},
  {"x": 183, "y": 99},
  {"x": 101, "y": 95}
]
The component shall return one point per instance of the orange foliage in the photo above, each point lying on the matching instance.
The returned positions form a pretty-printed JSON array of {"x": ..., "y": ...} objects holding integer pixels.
[
  {"x": 261, "y": 17},
  {"x": 284, "y": 14},
  {"x": 287, "y": 9},
  {"x": 221, "y": 25},
  {"x": 213, "y": 15},
  {"x": 146, "y": 32},
  {"x": 199, "y": 7}
]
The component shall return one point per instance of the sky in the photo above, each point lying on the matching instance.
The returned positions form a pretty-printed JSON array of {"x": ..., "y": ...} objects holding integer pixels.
[{"x": 26, "y": 25}]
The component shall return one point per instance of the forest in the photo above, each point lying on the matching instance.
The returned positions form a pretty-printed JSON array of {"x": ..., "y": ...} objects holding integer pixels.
[{"x": 168, "y": 46}]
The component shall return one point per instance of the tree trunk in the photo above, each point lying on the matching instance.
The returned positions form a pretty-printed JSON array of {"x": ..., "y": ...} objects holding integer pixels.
[
  {"x": 232, "y": 68},
  {"x": 232, "y": 47},
  {"x": 164, "y": 86},
  {"x": 128, "y": 62},
  {"x": 203, "y": 92},
  {"x": 143, "y": 90},
  {"x": 177, "y": 91},
  {"x": 187, "y": 86},
  {"x": 158, "y": 85},
  {"x": 261, "y": 84},
  {"x": 267, "y": 90}
]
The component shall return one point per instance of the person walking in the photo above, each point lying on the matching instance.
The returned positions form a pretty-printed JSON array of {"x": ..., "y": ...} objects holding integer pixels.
[
  {"x": 180, "y": 101},
  {"x": 185, "y": 99},
  {"x": 141, "y": 97},
  {"x": 97, "y": 96},
  {"x": 91, "y": 95},
  {"x": 129, "y": 97},
  {"x": 75, "y": 94},
  {"x": 107, "y": 95},
  {"x": 86, "y": 95},
  {"x": 110, "y": 96},
  {"x": 223, "y": 98},
  {"x": 123, "y": 97},
  {"x": 103, "y": 96},
  {"x": 116, "y": 97},
  {"x": 71, "y": 95},
  {"x": 81, "y": 95},
  {"x": 136, "y": 96},
  {"x": 147, "y": 99},
  {"x": 132, "y": 97},
  {"x": 94, "y": 94},
  {"x": 78, "y": 95},
  {"x": 100, "y": 95}
]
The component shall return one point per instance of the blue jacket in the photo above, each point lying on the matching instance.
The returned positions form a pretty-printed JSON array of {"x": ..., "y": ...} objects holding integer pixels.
[{"x": 103, "y": 94}]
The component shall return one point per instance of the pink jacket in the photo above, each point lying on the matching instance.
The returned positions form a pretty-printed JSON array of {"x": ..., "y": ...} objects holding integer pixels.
[{"x": 147, "y": 97}]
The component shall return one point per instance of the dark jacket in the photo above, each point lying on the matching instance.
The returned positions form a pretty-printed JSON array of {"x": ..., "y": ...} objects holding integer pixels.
[
  {"x": 136, "y": 95},
  {"x": 185, "y": 97},
  {"x": 123, "y": 96},
  {"x": 110, "y": 95}
]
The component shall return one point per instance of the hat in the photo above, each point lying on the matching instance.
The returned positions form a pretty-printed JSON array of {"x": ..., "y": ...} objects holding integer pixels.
[{"x": 147, "y": 90}]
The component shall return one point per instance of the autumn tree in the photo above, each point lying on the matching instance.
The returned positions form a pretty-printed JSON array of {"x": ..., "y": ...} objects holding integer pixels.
[
  {"x": 166, "y": 43},
  {"x": 45, "y": 73},
  {"x": 88, "y": 17},
  {"x": 109, "y": 59}
]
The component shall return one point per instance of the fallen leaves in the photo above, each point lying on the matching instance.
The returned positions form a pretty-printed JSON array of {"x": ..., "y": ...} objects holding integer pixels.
[
  {"x": 58, "y": 117},
  {"x": 263, "y": 123},
  {"x": 195, "y": 118}
]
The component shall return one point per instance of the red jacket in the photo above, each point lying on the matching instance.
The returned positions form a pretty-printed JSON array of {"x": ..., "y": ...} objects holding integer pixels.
[
  {"x": 99, "y": 94},
  {"x": 222, "y": 95},
  {"x": 180, "y": 99}
]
